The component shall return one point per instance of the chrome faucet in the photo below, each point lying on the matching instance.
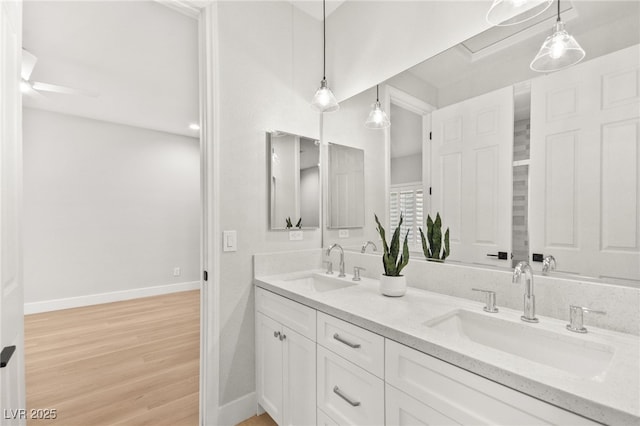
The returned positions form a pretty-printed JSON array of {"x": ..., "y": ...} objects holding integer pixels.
[
  {"x": 548, "y": 264},
  {"x": 341, "y": 274},
  {"x": 529, "y": 314},
  {"x": 367, "y": 244}
]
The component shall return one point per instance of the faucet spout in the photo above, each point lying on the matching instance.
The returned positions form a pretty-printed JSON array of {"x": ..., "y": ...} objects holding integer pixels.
[
  {"x": 529, "y": 310},
  {"x": 367, "y": 244},
  {"x": 341, "y": 274}
]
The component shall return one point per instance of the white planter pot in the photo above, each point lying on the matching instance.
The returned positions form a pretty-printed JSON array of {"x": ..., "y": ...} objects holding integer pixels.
[{"x": 393, "y": 286}]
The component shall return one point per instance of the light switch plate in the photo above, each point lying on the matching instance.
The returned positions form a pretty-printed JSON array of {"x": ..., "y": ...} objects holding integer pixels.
[
  {"x": 296, "y": 236},
  {"x": 343, "y": 233},
  {"x": 229, "y": 241}
]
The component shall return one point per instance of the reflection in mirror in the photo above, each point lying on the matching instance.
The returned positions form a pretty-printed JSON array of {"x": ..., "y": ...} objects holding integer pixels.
[
  {"x": 346, "y": 187},
  {"x": 529, "y": 165},
  {"x": 294, "y": 176}
]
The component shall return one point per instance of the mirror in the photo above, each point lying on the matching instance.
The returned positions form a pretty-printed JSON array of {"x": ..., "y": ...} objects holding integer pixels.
[
  {"x": 346, "y": 187},
  {"x": 497, "y": 62},
  {"x": 294, "y": 181}
]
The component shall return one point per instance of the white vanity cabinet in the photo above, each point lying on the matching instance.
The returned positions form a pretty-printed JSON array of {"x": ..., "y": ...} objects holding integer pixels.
[
  {"x": 433, "y": 391},
  {"x": 285, "y": 359},
  {"x": 350, "y": 373}
]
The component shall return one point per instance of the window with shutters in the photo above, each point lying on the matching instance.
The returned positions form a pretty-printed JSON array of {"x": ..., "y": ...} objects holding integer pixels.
[{"x": 407, "y": 199}]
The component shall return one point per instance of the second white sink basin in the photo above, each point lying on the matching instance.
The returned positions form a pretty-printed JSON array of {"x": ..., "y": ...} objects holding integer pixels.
[
  {"x": 321, "y": 283},
  {"x": 560, "y": 350}
]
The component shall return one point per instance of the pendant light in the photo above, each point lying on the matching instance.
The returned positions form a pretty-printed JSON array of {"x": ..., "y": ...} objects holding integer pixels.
[
  {"x": 512, "y": 12},
  {"x": 377, "y": 118},
  {"x": 323, "y": 100},
  {"x": 559, "y": 50}
]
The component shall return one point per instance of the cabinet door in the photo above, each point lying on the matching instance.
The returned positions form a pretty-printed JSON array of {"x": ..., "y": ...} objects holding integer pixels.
[
  {"x": 269, "y": 366},
  {"x": 299, "y": 377},
  {"x": 403, "y": 410}
]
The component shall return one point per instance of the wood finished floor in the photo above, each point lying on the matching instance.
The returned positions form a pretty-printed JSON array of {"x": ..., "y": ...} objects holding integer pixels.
[
  {"x": 125, "y": 363},
  {"x": 262, "y": 420}
]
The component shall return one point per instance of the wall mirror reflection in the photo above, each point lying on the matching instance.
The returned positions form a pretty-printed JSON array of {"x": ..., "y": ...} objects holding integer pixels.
[
  {"x": 294, "y": 181},
  {"x": 522, "y": 165},
  {"x": 346, "y": 187}
]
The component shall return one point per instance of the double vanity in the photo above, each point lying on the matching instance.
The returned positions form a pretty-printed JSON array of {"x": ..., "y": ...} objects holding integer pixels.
[{"x": 332, "y": 350}]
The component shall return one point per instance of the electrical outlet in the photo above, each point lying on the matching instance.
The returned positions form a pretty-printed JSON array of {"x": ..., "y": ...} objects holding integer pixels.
[
  {"x": 296, "y": 235},
  {"x": 343, "y": 233},
  {"x": 176, "y": 271}
]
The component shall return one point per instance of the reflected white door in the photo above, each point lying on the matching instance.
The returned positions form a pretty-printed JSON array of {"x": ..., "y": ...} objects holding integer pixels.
[
  {"x": 12, "y": 382},
  {"x": 584, "y": 173},
  {"x": 471, "y": 175}
]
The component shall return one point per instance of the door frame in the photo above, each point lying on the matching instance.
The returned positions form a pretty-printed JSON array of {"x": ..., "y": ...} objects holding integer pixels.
[{"x": 393, "y": 95}]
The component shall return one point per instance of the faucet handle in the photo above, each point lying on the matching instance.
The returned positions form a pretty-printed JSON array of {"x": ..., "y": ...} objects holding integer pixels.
[
  {"x": 576, "y": 318},
  {"x": 356, "y": 273},
  {"x": 490, "y": 301},
  {"x": 329, "y": 267}
]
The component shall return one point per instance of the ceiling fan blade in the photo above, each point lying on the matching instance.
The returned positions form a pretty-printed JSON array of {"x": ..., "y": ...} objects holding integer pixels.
[
  {"x": 46, "y": 87},
  {"x": 28, "y": 62}
]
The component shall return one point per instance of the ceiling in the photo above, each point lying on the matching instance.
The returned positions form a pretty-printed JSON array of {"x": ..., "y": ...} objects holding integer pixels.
[
  {"x": 600, "y": 27},
  {"x": 313, "y": 8},
  {"x": 140, "y": 56}
]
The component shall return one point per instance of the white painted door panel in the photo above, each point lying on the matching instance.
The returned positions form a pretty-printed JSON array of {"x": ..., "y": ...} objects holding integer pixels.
[
  {"x": 12, "y": 381},
  {"x": 585, "y": 173},
  {"x": 299, "y": 379},
  {"x": 471, "y": 173},
  {"x": 269, "y": 365}
]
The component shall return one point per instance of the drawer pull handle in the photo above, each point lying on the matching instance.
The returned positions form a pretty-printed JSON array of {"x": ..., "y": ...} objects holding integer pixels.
[
  {"x": 338, "y": 392},
  {"x": 341, "y": 340}
]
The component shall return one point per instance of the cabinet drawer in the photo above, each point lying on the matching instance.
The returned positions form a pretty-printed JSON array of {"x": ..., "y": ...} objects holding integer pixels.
[
  {"x": 466, "y": 397},
  {"x": 348, "y": 394},
  {"x": 362, "y": 347},
  {"x": 324, "y": 420},
  {"x": 294, "y": 315},
  {"x": 403, "y": 410}
]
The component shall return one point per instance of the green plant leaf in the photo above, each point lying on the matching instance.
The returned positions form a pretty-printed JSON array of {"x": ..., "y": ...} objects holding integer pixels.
[
  {"x": 446, "y": 245},
  {"x": 404, "y": 259},
  {"x": 425, "y": 248},
  {"x": 394, "y": 248},
  {"x": 430, "y": 236},
  {"x": 385, "y": 247},
  {"x": 437, "y": 237}
]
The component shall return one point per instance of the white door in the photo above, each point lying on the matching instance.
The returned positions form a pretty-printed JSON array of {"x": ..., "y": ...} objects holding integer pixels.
[
  {"x": 269, "y": 366},
  {"x": 299, "y": 379},
  {"x": 471, "y": 175},
  {"x": 584, "y": 173},
  {"x": 12, "y": 386}
]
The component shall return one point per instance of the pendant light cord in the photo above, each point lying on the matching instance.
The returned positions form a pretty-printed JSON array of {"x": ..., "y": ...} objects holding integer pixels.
[
  {"x": 324, "y": 41},
  {"x": 377, "y": 100},
  {"x": 558, "y": 20}
]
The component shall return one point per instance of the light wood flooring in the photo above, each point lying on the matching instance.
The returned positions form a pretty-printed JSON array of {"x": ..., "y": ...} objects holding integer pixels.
[
  {"x": 130, "y": 363},
  {"x": 262, "y": 420}
]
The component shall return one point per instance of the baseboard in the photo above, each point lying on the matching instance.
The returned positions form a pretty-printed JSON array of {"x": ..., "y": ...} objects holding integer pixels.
[
  {"x": 115, "y": 296},
  {"x": 236, "y": 411}
]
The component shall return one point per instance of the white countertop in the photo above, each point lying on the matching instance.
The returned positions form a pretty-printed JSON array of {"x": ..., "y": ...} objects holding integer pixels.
[{"x": 610, "y": 398}]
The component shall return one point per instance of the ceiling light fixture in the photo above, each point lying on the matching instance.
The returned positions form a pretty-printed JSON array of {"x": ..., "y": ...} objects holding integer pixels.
[
  {"x": 377, "y": 117},
  {"x": 559, "y": 50},
  {"x": 512, "y": 12},
  {"x": 194, "y": 126},
  {"x": 324, "y": 100}
]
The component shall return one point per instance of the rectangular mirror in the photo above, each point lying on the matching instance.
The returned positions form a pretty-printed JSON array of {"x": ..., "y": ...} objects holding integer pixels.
[
  {"x": 346, "y": 187},
  {"x": 294, "y": 181}
]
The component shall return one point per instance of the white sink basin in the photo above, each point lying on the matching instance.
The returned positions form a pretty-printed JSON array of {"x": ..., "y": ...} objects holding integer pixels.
[
  {"x": 558, "y": 350},
  {"x": 321, "y": 283}
]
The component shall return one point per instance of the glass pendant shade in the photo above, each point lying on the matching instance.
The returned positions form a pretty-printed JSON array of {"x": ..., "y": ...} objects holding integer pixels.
[
  {"x": 377, "y": 118},
  {"x": 559, "y": 50},
  {"x": 323, "y": 100},
  {"x": 512, "y": 12}
]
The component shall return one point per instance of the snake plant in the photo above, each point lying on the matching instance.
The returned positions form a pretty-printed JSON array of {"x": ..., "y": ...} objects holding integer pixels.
[
  {"x": 437, "y": 248},
  {"x": 390, "y": 261}
]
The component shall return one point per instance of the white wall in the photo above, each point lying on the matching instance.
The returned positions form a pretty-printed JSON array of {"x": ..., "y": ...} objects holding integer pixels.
[
  {"x": 269, "y": 56},
  {"x": 407, "y": 169},
  {"x": 107, "y": 207}
]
